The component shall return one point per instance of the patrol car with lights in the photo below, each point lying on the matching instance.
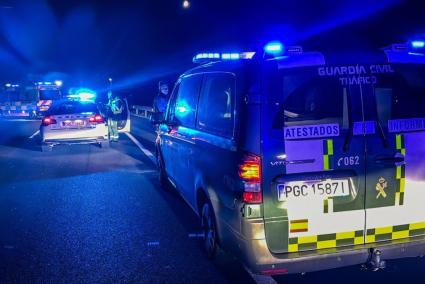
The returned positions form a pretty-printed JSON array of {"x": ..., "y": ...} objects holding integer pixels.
[
  {"x": 76, "y": 120},
  {"x": 300, "y": 161}
]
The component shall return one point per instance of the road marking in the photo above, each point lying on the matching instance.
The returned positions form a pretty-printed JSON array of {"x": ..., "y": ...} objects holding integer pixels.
[
  {"x": 34, "y": 134},
  {"x": 143, "y": 149},
  {"x": 196, "y": 235},
  {"x": 21, "y": 119}
]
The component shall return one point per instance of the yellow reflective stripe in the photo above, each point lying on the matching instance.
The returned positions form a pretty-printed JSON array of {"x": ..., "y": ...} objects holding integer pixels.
[
  {"x": 400, "y": 235},
  {"x": 292, "y": 248},
  {"x": 397, "y": 198},
  {"x": 358, "y": 240},
  {"x": 370, "y": 239},
  {"x": 326, "y": 162},
  {"x": 326, "y": 244},
  {"x": 346, "y": 235},
  {"x": 330, "y": 147},
  {"x": 299, "y": 226},
  {"x": 398, "y": 174},
  {"x": 416, "y": 226},
  {"x": 402, "y": 183},
  {"x": 307, "y": 240},
  {"x": 383, "y": 230},
  {"x": 398, "y": 142}
]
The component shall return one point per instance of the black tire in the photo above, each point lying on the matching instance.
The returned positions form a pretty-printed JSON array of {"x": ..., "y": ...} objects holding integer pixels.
[
  {"x": 163, "y": 177},
  {"x": 209, "y": 229},
  {"x": 104, "y": 144}
]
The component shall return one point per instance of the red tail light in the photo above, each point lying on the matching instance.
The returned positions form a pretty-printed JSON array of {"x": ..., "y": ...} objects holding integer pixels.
[
  {"x": 48, "y": 121},
  {"x": 97, "y": 118},
  {"x": 250, "y": 173}
]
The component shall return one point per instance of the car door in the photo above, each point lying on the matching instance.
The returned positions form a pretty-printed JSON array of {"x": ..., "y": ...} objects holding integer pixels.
[
  {"x": 395, "y": 180},
  {"x": 181, "y": 130},
  {"x": 124, "y": 122},
  {"x": 313, "y": 152}
]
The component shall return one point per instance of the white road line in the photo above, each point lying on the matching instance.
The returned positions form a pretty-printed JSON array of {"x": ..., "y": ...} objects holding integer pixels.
[
  {"x": 143, "y": 149},
  {"x": 21, "y": 119},
  {"x": 34, "y": 134}
]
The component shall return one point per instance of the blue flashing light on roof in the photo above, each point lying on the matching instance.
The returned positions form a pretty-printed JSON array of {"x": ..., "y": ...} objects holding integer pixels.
[
  {"x": 416, "y": 44},
  {"x": 83, "y": 95},
  {"x": 232, "y": 56},
  {"x": 274, "y": 48}
]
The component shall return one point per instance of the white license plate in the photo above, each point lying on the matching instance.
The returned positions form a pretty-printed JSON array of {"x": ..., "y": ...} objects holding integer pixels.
[
  {"x": 73, "y": 124},
  {"x": 328, "y": 188}
]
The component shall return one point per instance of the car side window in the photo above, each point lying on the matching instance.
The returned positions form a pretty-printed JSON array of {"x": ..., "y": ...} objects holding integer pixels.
[
  {"x": 216, "y": 104},
  {"x": 185, "y": 104}
]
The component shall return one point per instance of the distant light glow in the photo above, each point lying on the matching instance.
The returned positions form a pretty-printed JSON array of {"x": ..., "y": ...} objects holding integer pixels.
[
  {"x": 418, "y": 44},
  {"x": 274, "y": 48},
  {"x": 58, "y": 83},
  {"x": 83, "y": 95},
  {"x": 186, "y": 4},
  {"x": 8, "y": 85}
]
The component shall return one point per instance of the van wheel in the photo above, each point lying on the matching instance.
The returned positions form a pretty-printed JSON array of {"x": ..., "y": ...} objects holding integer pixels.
[
  {"x": 163, "y": 178},
  {"x": 209, "y": 230}
]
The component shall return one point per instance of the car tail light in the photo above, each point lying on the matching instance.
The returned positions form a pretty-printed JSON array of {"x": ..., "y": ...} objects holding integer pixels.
[
  {"x": 250, "y": 173},
  {"x": 97, "y": 118},
  {"x": 48, "y": 121}
]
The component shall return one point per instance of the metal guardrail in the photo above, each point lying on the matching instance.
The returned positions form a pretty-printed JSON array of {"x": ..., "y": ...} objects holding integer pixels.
[{"x": 142, "y": 111}]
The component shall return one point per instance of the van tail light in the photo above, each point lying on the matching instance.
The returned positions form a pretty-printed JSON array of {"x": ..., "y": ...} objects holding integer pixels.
[
  {"x": 97, "y": 118},
  {"x": 48, "y": 121},
  {"x": 250, "y": 174}
]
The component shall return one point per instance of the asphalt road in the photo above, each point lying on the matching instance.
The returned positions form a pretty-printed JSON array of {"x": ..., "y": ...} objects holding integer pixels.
[{"x": 81, "y": 214}]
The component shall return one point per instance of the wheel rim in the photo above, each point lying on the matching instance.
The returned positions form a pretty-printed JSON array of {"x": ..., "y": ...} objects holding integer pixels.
[{"x": 209, "y": 230}]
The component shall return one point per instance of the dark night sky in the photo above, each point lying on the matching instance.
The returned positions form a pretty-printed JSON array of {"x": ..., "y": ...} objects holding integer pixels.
[{"x": 138, "y": 42}]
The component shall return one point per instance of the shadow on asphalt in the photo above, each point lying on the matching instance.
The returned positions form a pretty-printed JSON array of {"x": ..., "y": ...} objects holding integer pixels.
[{"x": 231, "y": 269}]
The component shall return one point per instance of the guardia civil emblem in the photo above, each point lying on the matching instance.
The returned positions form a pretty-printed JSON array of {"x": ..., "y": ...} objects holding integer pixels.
[{"x": 380, "y": 188}]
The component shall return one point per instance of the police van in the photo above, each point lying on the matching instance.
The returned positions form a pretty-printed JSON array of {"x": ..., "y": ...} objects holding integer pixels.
[{"x": 299, "y": 161}]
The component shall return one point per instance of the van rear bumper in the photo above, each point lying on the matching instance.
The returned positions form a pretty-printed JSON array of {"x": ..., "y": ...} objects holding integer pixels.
[{"x": 260, "y": 260}]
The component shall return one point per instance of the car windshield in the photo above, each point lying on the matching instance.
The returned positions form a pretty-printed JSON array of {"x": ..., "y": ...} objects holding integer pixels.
[{"x": 73, "y": 108}]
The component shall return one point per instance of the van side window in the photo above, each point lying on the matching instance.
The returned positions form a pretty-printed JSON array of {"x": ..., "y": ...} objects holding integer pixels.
[
  {"x": 216, "y": 104},
  {"x": 187, "y": 99}
]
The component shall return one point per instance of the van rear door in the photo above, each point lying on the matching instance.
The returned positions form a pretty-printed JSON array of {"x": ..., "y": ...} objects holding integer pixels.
[
  {"x": 313, "y": 160},
  {"x": 395, "y": 180}
]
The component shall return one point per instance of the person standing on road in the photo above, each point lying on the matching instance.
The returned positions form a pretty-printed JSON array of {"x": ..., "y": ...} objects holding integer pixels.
[
  {"x": 115, "y": 109},
  {"x": 160, "y": 102}
]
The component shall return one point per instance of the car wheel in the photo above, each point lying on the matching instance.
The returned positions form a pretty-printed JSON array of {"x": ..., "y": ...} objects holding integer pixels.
[
  {"x": 163, "y": 178},
  {"x": 104, "y": 144},
  {"x": 209, "y": 230}
]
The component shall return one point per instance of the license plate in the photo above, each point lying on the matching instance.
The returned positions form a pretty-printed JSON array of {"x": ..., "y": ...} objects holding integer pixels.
[
  {"x": 328, "y": 188},
  {"x": 73, "y": 123}
]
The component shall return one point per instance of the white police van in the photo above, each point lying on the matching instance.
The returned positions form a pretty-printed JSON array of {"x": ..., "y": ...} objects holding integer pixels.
[{"x": 299, "y": 161}]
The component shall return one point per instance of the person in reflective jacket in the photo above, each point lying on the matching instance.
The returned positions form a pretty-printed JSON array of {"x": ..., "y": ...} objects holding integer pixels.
[{"x": 115, "y": 109}]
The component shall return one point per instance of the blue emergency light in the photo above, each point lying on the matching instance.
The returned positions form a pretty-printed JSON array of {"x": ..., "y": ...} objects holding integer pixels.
[
  {"x": 211, "y": 57},
  {"x": 274, "y": 48},
  {"x": 417, "y": 44},
  {"x": 83, "y": 95}
]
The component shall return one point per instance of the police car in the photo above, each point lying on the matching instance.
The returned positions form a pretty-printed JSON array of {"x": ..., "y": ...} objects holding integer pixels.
[
  {"x": 297, "y": 161},
  {"x": 74, "y": 121}
]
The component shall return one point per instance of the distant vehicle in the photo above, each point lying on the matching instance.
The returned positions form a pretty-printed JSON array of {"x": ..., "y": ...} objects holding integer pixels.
[
  {"x": 299, "y": 162},
  {"x": 17, "y": 100},
  {"x": 73, "y": 122},
  {"x": 29, "y": 100},
  {"x": 46, "y": 94}
]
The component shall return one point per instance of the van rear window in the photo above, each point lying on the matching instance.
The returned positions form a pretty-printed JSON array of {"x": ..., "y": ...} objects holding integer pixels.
[{"x": 308, "y": 98}]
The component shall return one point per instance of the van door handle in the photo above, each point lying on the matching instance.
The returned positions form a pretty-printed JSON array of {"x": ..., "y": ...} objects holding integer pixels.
[{"x": 390, "y": 160}]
